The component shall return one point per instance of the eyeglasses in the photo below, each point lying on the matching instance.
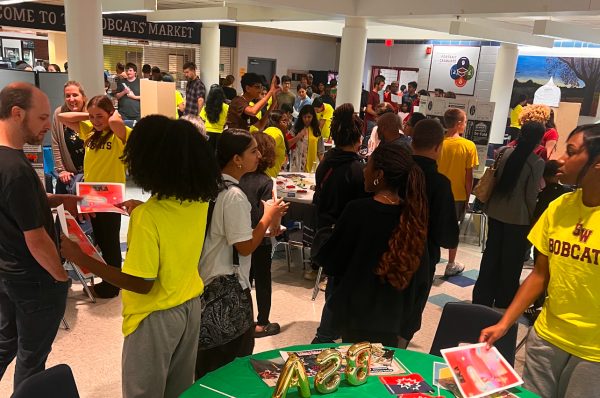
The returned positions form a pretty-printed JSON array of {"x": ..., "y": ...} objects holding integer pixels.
[{"x": 257, "y": 85}]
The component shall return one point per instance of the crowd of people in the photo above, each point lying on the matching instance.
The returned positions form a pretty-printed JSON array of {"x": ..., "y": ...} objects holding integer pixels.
[{"x": 389, "y": 196}]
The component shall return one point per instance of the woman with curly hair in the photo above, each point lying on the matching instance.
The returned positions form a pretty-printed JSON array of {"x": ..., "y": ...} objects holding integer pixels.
[
  {"x": 544, "y": 115},
  {"x": 377, "y": 253},
  {"x": 309, "y": 147},
  {"x": 562, "y": 358},
  {"x": 214, "y": 114},
  {"x": 258, "y": 186},
  {"x": 160, "y": 280},
  {"x": 104, "y": 135}
]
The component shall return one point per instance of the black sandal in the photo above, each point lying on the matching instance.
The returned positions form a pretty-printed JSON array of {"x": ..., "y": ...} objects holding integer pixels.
[{"x": 270, "y": 329}]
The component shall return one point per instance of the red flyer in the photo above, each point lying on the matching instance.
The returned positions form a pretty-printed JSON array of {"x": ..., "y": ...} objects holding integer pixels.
[
  {"x": 480, "y": 372},
  {"x": 100, "y": 197},
  {"x": 77, "y": 235},
  {"x": 410, "y": 384}
]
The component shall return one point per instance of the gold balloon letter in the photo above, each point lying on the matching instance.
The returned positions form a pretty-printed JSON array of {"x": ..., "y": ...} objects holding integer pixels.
[
  {"x": 328, "y": 379},
  {"x": 358, "y": 361},
  {"x": 292, "y": 375}
]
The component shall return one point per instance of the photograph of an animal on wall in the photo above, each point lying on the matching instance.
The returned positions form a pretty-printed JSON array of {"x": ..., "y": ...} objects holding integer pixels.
[{"x": 577, "y": 78}]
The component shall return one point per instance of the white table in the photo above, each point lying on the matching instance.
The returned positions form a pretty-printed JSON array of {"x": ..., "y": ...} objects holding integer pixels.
[{"x": 288, "y": 189}]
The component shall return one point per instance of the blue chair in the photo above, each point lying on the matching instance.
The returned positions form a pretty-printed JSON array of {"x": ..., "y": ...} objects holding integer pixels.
[{"x": 463, "y": 322}]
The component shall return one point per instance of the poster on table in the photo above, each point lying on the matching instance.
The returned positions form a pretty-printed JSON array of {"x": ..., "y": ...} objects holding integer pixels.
[
  {"x": 35, "y": 155},
  {"x": 454, "y": 68},
  {"x": 100, "y": 197},
  {"x": 479, "y": 371}
]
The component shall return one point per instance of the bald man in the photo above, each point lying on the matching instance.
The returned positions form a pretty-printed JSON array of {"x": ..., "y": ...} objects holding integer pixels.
[
  {"x": 389, "y": 129},
  {"x": 33, "y": 283}
]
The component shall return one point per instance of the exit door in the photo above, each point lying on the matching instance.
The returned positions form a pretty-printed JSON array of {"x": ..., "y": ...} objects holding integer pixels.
[{"x": 262, "y": 66}]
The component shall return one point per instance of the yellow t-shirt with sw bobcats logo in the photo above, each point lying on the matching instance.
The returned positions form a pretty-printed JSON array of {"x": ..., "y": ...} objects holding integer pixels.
[
  {"x": 103, "y": 164},
  {"x": 569, "y": 234}
]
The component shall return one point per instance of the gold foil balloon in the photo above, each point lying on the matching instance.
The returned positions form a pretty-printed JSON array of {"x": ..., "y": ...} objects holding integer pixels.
[
  {"x": 293, "y": 374},
  {"x": 328, "y": 379},
  {"x": 358, "y": 361}
]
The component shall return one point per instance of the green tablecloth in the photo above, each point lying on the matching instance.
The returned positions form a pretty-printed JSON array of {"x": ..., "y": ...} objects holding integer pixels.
[{"x": 239, "y": 380}]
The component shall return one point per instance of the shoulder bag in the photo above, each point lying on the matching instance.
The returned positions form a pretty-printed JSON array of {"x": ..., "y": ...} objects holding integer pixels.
[{"x": 484, "y": 188}]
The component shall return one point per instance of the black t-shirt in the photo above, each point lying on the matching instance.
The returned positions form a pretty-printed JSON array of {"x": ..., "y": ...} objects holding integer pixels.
[
  {"x": 23, "y": 207},
  {"x": 129, "y": 108},
  {"x": 75, "y": 147}
]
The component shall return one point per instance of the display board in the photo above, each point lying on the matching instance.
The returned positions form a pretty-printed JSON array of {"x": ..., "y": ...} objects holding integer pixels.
[
  {"x": 479, "y": 121},
  {"x": 454, "y": 68},
  {"x": 157, "y": 98}
]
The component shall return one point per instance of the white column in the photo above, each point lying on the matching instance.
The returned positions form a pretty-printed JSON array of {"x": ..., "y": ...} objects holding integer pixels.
[
  {"x": 210, "y": 53},
  {"x": 504, "y": 76},
  {"x": 83, "y": 21},
  {"x": 352, "y": 61}
]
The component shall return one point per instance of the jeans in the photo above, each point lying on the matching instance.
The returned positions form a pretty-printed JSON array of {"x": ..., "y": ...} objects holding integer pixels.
[
  {"x": 30, "y": 313},
  {"x": 326, "y": 332},
  {"x": 260, "y": 272}
]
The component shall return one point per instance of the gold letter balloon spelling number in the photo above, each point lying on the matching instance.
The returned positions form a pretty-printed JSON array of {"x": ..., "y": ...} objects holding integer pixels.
[
  {"x": 293, "y": 374},
  {"x": 328, "y": 379},
  {"x": 358, "y": 360}
]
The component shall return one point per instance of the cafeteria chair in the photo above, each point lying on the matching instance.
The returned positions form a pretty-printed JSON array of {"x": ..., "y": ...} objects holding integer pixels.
[
  {"x": 463, "y": 322},
  {"x": 306, "y": 242},
  {"x": 55, "y": 382}
]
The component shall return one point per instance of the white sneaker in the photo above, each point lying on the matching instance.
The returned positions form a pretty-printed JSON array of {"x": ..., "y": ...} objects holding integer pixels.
[{"x": 454, "y": 268}]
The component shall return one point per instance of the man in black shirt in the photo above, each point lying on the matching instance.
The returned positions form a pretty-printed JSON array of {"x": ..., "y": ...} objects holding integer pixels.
[{"x": 33, "y": 283}]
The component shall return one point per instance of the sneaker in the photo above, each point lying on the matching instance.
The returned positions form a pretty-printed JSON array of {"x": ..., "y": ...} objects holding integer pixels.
[
  {"x": 310, "y": 275},
  {"x": 323, "y": 285},
  {"x": 454, "y": 268}
]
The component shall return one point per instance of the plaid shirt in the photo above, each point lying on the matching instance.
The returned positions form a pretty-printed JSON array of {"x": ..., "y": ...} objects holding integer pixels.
[{"x": 194, "y": 90}]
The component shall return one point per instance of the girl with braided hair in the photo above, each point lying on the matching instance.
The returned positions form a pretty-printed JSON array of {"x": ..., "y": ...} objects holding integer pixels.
[{"x": 377, "y": 253}]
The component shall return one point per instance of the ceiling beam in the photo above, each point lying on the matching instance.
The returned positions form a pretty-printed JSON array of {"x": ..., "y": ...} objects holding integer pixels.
[
  {"x": 216, "y": 14},
  {"x": 120, "y": 6},
  {"x": 473, "y": 8},
  {"x": 250, "y": 13},
  {"x": 499, "y": 34},
  {"x": 559, "y": 30},
  {"x": 319, "y": 7}
]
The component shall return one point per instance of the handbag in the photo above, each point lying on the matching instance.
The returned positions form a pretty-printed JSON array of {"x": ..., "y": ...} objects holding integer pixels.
[
  {"x": 485, "y": 187},
  {"x": 226, "y": 308}
]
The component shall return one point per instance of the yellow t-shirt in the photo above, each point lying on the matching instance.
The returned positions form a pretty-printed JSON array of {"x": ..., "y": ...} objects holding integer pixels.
[
  {"x": 279, "y": 150},
  {"x": 164, "y": 243},
  {"x": 514, "y": 116},
  {"x": 458, "y": 155},
  {"x": 103, "y": 164},
  {"x": 327, "y": 114},
  {"x": 570, "y": 317},
  {"x": 220, "y": 124},
  {"x": 254, "y": 129},
  {"x": 178, "y": 101}
]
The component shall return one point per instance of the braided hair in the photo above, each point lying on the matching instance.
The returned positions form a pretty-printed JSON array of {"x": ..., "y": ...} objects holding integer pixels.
[{"x": 407, "y": 243}]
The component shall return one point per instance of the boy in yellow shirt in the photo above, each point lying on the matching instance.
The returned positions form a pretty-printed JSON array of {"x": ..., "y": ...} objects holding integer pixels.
[
  {"x": 324, "y": 116},
  {"x": 160, "y": 280},
  {"x": 456, "y": 162}
]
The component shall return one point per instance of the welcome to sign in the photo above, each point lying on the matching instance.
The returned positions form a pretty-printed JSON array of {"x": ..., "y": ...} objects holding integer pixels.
[{"x": 48, "y": 17}]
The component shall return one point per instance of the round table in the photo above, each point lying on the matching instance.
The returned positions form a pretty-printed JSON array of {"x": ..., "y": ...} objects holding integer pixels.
[
  {"x": 304, "y": 198},
  {"x": 237, "y": 379}
]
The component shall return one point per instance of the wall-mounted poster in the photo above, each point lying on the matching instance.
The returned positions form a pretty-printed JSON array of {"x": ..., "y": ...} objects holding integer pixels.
[
  {"x": 454, "y": 68},
  {"x": 577, "y": 78}
]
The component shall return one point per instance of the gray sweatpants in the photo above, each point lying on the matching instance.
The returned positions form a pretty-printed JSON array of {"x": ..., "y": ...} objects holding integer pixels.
[
  {"x": 553, "y": 373},
  {"x": 159, "y": 357}
]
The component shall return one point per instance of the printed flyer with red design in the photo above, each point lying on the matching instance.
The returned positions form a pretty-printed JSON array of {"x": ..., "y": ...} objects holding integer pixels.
[
  {"x": 479, "y": 371},
  {"x": 100, "y": 197}
]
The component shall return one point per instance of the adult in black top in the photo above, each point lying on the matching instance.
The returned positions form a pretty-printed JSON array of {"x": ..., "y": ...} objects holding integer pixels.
[
  {"x": 377, "y": 251},
  {"x": 228, "y": 89},
  {"x": 33, "y": 288}
]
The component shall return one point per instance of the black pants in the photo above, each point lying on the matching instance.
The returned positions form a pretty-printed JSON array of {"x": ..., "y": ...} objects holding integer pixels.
[
  {"x": 501, "y": 264},
  {"x": 30, "y": 313},
  {"x": 214, "y": 358},
  {"x": 327, "y": 332},
  {"x": 358, "y": 336},
  {"x": 260, "y": 272},
  {"x": 107, "y": 228},
  {"x": 213, "y": 139}
]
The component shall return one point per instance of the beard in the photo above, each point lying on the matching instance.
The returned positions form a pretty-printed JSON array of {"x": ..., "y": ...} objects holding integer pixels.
[{"x": 30, "y": 136}]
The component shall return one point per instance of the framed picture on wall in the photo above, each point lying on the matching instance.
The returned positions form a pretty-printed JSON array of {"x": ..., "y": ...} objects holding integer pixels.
[
  {"x": 13, "y": 54},
  {"x": 454, "y": 68},
  {"x": 28, "y": 56}
]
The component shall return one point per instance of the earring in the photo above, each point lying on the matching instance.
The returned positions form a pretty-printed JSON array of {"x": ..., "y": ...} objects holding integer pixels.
[
  {"x": 239, "y": 166},
  {"x": 376, "y": 181}
]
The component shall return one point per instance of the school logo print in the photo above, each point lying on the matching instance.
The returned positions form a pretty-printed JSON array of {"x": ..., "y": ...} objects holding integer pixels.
[
  {"x": 582, "y": 233},
  {"x": 462, "y": 72}
]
